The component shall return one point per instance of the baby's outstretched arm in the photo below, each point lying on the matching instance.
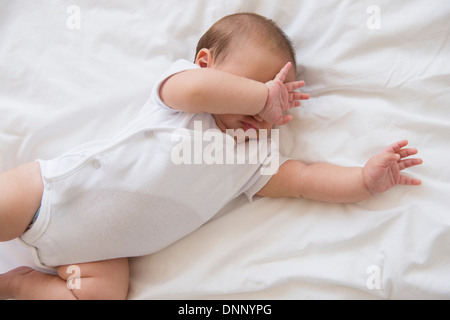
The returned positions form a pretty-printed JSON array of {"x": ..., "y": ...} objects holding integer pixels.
[
  {"x": 218, "y": 92},
  {"x": 331, "y": 183}
]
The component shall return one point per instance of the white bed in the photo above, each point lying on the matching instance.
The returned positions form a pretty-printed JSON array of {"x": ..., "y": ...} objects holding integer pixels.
[{"x": 378, "y": 71}]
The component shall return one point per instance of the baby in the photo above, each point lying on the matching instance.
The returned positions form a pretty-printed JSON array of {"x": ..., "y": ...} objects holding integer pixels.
[{"x": 92, "y": 208}]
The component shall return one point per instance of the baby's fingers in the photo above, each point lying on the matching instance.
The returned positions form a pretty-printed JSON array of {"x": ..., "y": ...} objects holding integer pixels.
[
  {"x": 408, "y": 163},
  {"x": 283, "y": 120},
  {"x": 292, "y": 86},
  {"x": 281, "y": 76},
  {"x": 399, "y": 145},
  {"x": 404, "y": 153},
  {"x": 407, "y": 181},
  {"x": 297, "y": 96}
]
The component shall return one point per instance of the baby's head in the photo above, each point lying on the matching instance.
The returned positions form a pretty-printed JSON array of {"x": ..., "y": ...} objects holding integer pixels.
[
  {"x": 250, "y": 46},
  {"x": 233, "y": 33}
]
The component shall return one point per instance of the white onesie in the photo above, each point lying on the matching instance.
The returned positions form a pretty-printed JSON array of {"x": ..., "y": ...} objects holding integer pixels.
[{"x": 127, "y": 197}]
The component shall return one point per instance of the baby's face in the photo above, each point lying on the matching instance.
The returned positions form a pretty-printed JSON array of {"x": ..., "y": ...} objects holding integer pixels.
[{"x": 256, "y": 63}]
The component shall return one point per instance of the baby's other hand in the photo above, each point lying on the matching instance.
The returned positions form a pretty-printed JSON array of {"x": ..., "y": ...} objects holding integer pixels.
[
  {"x": 382, "y": 172},
  {"x": 282, "y": 97}
]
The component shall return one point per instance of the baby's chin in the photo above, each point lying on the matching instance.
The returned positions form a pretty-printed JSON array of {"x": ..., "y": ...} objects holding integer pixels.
[{"x": 242, "y": 135}]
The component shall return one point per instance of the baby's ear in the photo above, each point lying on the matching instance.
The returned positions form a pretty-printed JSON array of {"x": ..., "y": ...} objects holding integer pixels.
[{"x": 204, "y": 58}]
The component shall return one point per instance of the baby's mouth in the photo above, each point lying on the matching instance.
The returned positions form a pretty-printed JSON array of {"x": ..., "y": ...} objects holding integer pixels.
[{"x": 249, "y": 126}]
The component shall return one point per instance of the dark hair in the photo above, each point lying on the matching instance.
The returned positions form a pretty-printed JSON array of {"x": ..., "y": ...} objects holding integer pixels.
[{"x": 244, "y": 27}]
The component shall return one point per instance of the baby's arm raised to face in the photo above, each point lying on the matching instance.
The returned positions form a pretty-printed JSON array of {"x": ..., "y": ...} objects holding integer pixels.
[{"x": 218, "y": 92}]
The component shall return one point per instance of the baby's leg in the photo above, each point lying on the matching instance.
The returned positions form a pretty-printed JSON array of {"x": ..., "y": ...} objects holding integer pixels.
[
  {"x": 104, "y": 280},
  {"x": 20, "y": 198}
]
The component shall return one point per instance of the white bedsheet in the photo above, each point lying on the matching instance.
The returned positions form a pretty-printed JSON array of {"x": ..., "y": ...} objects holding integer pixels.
[{"x": 378, "y": 71}]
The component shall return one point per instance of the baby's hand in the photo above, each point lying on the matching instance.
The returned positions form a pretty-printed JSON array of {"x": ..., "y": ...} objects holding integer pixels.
[
  {"x": 282, "y": 98},
  {"x": 382, "y": 172}
]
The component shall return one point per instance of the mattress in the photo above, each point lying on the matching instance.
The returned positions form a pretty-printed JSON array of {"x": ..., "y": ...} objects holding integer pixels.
[{"x": 377, "y": 71}]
